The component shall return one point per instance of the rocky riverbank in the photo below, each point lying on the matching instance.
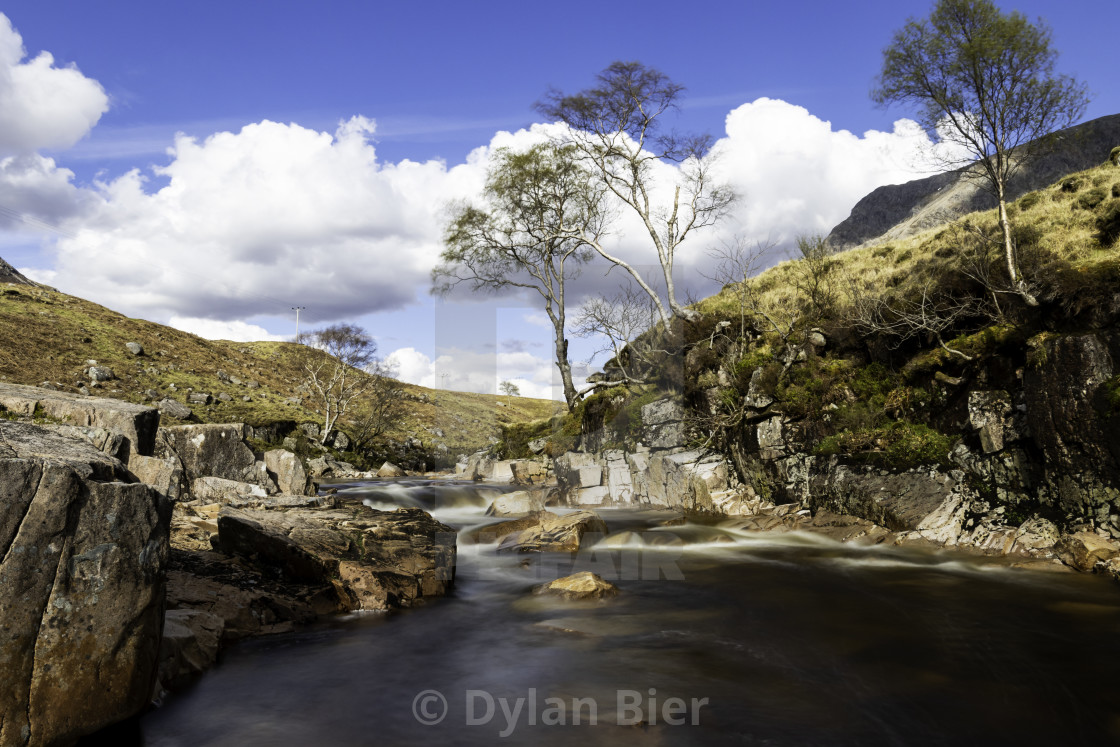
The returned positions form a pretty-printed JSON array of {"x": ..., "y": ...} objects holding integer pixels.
[{"x": 132, "y": 553}]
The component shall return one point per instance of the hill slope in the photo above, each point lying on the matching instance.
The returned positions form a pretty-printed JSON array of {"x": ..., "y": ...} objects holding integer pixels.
[{"x": 48, "y": 337}]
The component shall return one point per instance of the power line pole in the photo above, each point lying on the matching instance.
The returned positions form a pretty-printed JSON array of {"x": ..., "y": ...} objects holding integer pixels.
[{"x": 298, "y": 309}]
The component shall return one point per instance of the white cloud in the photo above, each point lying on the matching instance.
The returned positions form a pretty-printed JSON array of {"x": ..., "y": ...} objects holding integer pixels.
[
  {"x": 42, "y": 106},
  {"x": 216, "y": 330},
  {"x": 473, "y": 371},
  {"x": 274, "y": 215}
]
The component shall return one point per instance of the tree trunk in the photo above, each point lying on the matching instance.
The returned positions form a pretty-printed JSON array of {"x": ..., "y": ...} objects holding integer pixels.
[
  {"x": 570, "y": 395},
  {"x": 1009, "y": 251}
]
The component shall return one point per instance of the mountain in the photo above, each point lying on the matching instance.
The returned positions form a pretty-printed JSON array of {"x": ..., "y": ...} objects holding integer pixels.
[
  {"x": 899, "y": 211},
  {"x": 9, "y": 274}
]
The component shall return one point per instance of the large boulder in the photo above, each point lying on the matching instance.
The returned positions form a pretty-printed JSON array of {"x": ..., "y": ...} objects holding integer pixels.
[
  {"x": 81, "y": 587},
  {"x": 686, "y": 480},
  {"x": 578, "y": 469},
  {"x": 211, "y": 450},
  {"x": 164, "y": 474},
  {"x": 518, "y": 503},
  {"x": 220, "y": 490},
  {"x": 528, "y": 472},
  {"x": 373, "y": 560},
  {"x": 286, "y": 469},
  {"x": 552, "y": 533},
  {"x": 1083, "y": 550},
  {"x": 136, "y": 423},
  {"x": 578, "y": 586}
]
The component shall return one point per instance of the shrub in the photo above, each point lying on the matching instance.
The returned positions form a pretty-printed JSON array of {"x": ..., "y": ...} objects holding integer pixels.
[
  {"x": 1029, "y": 200},
  {"x": 900, "y": 445},
  {"x": 1108, "y": 224},
  {"x": 1071, "y": 184},
  {"x": 1092, "y": 198},
  {"x": 1116, "y": 189}
]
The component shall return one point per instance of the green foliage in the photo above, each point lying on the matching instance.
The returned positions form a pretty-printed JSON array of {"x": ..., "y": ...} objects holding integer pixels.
[
  {"x": 1111, "y": 389},
  {"x": 899, "y": 445}
]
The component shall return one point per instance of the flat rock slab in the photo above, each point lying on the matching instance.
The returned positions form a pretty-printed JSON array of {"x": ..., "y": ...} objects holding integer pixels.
[
  {"x": 552, "y": 533},
  {"x": 136, "y": 423},
  {"x": 211, "y": 450},
  {"x": 374, "y": 560}
]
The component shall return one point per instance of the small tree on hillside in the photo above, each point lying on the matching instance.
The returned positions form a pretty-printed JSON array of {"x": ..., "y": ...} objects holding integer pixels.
[
  {"x": 984, "y": 82},
  {"x": 509, "y": 389},
  {"x": 615, "y": 128},
  {"x": 338, "y": 378}
]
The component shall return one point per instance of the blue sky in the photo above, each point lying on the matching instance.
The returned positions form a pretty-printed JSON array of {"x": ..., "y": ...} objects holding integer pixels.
[{"x": 222, "y": 234}]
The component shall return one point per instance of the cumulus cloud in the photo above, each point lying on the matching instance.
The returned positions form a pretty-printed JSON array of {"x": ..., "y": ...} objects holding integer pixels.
[
  {"x": 253, "y": 222},
  {"x": 212, "y": 329},
  {"x": 42, "y": 106}
]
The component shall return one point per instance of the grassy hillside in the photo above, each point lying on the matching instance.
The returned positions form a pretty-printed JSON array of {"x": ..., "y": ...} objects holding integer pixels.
[
  {"x": 836, "y": 344},
  {"x": 48, "y": 337}
]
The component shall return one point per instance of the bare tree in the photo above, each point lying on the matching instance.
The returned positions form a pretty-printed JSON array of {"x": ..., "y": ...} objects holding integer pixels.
[
  {"x": 984, "y": 82},
  {"x": 380, "y": 407},
  {"x": 620, "y": 321},
  {"x": 509, "y": 389},
  {"x": 927, "y": 313},
  {"x": 543, "y": 212},
  {"x": 616, "y": 129},
  {"x": 335, "y": 369}
]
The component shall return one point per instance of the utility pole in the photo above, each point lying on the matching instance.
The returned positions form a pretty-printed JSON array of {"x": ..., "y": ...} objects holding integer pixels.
[{"x": 298, "y": 309}]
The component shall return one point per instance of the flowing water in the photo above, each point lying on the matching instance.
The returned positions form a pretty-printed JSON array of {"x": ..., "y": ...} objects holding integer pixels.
[{"x": 715, "y": 638}]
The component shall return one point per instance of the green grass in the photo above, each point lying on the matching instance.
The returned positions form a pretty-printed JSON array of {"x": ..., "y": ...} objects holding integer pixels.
[{"x": 47, "y": 336}]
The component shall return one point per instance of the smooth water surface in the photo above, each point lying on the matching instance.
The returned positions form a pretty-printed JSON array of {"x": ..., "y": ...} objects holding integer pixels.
[{"x": 765, "y": 639}]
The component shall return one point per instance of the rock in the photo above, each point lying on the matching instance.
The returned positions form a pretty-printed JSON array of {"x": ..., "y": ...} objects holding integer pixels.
[
  {"x": 311, "y": 429},
  {"x": 199, "y": 398},
  {"x": 220, "y": 490},
  {"x": 222, "y": 376},
  {"x": 663, "y": 424},
  {"x": 756, "y": 397},
  {"x": 136, "y": 423},
  {"x": 105, "y": 441},
  {"x": 165, "y": 475},
  {"x": 338, "y": 440},
  {"x": 1036, "y": 535},
  {"x": 224, "y": 397},
  {"x": 771, "y": 445},
  {"x": 327, "y": 467},
  {"x": 252, "y": 384},
  {"x": 81, "y": 588},
  {"x": 374, "y": 560},
  {"x": 537, "y": 445},
  {"x": 287, "y": 471},
  {"x": 817, "y": 339},
  {"x": 528, "y": 472},
  {"x": 211, "y": 450},
  {"x": 685, "y": 480},
  {"x": 191, "y": 640},
  {"x": 594, "y": 496},
  {"x": 930, "y": 505},
  {"x": 100, "y": 373},
  {"x": 134, "y": 347},
  {"x": 579, "y": 586},
  {"x": 519, "y": 503},
  {"x": 1083, "y": 550},
  {"x": 388, "y": 469},
  {"x": 577, "y": 469},
  {"x": 990, "y": 414},
  {"x": 493, "y": 532},
  {"x": 620, "y": 486},
  {"x": 173, "y": 409},
  {"x": 553, "y": 533}
]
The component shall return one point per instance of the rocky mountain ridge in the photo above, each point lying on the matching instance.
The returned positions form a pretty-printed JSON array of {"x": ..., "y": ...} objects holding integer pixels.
[{"x": 899, "y": 211}]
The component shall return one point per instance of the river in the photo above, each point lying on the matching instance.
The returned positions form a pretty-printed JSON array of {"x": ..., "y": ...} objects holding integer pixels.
[{"x": 715, "y": 638}]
